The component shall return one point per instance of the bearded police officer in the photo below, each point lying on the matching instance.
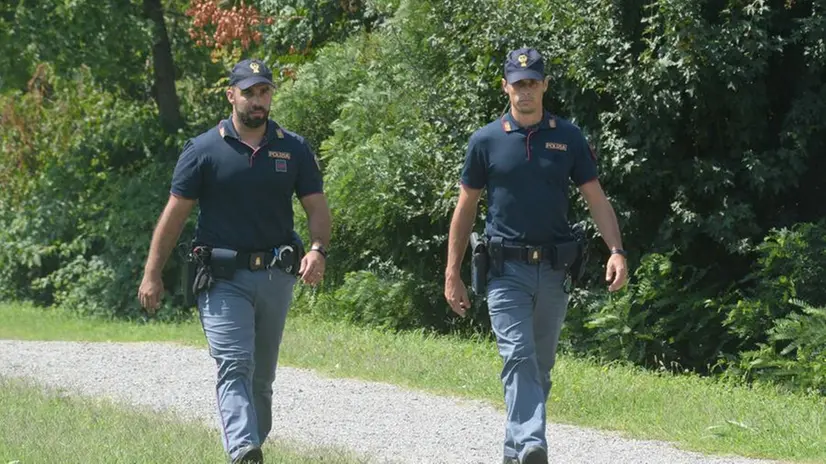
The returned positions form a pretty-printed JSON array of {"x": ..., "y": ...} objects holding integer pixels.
[
  {"x": 244, "y": 173},
  {"x": 526, "y": 160}
]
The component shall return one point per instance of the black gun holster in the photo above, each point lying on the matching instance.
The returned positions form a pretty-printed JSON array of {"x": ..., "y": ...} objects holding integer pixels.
[
  {"x": 188, "y": 272},
  {"x": 576, "y": 271},
  {"x": 479, "y": 264},
  {"x": 195, "y": 275},
  {"x": 496, "y": 256}
]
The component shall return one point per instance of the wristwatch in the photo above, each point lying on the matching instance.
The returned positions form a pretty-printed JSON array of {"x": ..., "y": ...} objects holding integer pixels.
[
  {"x": 320, "y": 249},
  {"x": 619, "y": 251}
]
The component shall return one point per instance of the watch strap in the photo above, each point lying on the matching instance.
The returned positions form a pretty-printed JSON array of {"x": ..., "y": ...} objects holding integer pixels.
[{"x": 320, "y": 249}]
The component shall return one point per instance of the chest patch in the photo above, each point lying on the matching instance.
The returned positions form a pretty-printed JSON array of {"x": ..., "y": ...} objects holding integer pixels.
[
  {"x": 280, "y": 165},
  {"x": 556, "y": 146}
]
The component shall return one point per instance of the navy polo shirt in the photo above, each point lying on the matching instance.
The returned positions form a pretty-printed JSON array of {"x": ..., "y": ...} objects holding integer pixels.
[
  {"x": 527, "y": 173},
  {"x": 245, "y": 194}
]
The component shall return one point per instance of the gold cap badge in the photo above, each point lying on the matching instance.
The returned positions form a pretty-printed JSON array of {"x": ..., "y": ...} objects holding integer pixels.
[
  {"x": 523, "y": 60},
  {"x": 255, "y": 67}
]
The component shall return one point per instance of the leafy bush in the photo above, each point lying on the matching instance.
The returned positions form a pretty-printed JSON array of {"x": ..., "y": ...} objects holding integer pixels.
[
  {"x": 88, "y": 180},
  {"x": 310, "y": 104},
  {"x": 371, "y": 299},
  {"x": 299, "y": 26},
  {"x": 664, "y": 319},
  {"x": 113, "y": 39},
  {"x": 672, "y": 318},
  {"x": 790, "y": 265},
  {"x": 795, "y": 353}
]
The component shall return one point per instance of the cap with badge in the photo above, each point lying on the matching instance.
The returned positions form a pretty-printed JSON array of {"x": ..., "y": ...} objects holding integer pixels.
[
  {"x": 524, "y": 63},
  {"x": 249, "y": 72}
]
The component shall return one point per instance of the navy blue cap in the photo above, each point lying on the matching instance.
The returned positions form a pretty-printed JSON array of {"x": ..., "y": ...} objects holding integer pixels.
[
  {"x": 247, "y": 73},
  {"x": 524, "y": 63}
]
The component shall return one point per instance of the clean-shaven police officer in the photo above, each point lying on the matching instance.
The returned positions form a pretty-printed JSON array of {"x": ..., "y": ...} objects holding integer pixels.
[{"x": 526, "y": 161}]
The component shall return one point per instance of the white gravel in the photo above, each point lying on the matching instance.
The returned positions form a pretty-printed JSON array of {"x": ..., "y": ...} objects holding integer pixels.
[{"x": 385, "y": 422}]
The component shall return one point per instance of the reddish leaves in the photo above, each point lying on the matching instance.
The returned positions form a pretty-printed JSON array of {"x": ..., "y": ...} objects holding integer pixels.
[{"x": 216, "y": 27}]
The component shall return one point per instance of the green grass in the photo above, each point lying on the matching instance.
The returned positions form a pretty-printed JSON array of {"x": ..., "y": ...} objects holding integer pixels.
[
  {"x": 696, "y": 414},
  {"x": 47, "y": 426}
]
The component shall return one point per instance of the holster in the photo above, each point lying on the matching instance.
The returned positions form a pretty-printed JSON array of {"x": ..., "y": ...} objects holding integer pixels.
[
  {"x": 196, "y": 275},
  {"x": 188, "y": 272},
  {"x": 479, "y": 264},
  {"x": 576, "y": 271},
  {"x": 496, "y": 255}
]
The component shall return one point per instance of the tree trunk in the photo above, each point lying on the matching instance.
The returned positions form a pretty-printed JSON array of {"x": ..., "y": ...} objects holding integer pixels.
[{"x": 164, "y": 68}]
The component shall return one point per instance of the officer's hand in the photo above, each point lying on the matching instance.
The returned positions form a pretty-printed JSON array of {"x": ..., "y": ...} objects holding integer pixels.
[
  {"x": 150, "y": 293},
  {"x": 312, "y": 268},
  {"x": 616, "y": 273},
  {"x": 456, "y": 295}
]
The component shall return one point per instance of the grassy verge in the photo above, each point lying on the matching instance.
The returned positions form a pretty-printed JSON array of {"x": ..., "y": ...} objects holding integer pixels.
[
  {"x": 45, "y": 427},
  {"x": 697, "y": 414}
]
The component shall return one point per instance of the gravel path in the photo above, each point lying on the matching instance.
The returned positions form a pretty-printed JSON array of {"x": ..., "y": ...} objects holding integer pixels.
[{"x": 388, "y": 423}]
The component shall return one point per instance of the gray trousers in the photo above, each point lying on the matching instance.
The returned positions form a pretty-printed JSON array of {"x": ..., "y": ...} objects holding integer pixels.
[
  {"x": 527, "y": 306},
  {"x": 243, "y": 320}
]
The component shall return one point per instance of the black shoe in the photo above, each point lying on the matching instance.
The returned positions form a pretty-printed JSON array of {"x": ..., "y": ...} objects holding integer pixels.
[
  {"x": 535, "y": 455},
  {"x": 249, "y": 454}
]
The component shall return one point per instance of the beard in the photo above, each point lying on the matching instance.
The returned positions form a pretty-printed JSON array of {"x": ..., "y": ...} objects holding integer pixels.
[
  {"x": 527, "y": 107},
  {"x": 254, "y": 122}
]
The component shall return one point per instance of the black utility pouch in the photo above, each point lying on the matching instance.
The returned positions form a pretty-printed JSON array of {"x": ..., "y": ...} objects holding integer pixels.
[
  {"x": 566, "y": 254},
  {"x": 496, "y": 252},
  {"x": 222, "y": 263},
  {"x": 479, "y": 264}
]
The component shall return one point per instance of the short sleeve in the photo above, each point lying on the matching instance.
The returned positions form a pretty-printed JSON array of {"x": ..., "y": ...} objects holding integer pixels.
[
  {"x": 309, "y": 174},
  {"x": 585, "y": 164},
  {"x": 475, "y": 169},
  {"x": 186, "y": 179}
]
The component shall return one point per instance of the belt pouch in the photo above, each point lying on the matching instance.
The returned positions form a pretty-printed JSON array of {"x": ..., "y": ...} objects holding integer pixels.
[
  {"x": 566, "y": 254},
  {"x": 223, "y": 263}
]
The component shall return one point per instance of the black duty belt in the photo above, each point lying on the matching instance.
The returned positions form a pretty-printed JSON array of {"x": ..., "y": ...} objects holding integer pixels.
[
  {"x": 254, "y": 260},
  {"x": 527, "y": 253}
]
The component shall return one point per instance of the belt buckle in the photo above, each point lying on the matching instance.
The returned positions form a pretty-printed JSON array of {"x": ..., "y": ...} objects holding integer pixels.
[
  {"x": 534, "y": 254},
  {"x": 256, "y": 261}
]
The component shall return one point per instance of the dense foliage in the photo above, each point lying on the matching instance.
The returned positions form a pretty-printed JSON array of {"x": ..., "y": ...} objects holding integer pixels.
[{"x": 706, "y": 117}]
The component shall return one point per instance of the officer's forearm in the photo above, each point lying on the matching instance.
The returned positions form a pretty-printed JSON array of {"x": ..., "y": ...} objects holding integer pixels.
[
  {"x": 319, "y": 224},
  {"x": 166, "y": 234},
  {"x": 460, "y": 227},
  {"x": 606, "y": 220}
]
